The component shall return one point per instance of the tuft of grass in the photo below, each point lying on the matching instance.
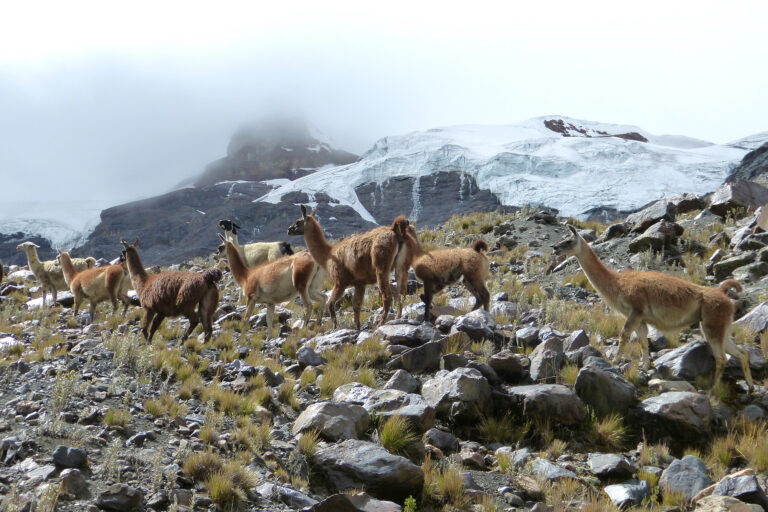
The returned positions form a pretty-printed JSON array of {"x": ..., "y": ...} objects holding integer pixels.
[
  {"x": 208, "y": 434},
  {"x": 568, "y": 374},
  {"x": 504, "y": 460},
  {"x": 502, "y": 430},
  {"x": 444, "y": 485},
  {"x": 165, "y": 405},
  {"x": 116, "y": 418},
  {"x": 287, "y": 395},
  {"x": 307, "y": 444},
  {"x": 308, "y": 377},
  {"x": 752, "y": 445},
  {"x": 395, "y": 434},
  {"x": 201, "y": 466},
  {"x": 223, "y": 491},
  {"x": 556, "y": 448},
  {"x": 610, "y": 432}
]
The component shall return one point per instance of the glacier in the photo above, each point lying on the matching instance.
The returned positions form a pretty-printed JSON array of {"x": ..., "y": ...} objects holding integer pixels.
[{"x": 583, "y": 166}]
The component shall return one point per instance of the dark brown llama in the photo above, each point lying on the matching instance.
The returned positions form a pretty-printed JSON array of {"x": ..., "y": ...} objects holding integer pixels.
[{"x": 171, "y": 294}]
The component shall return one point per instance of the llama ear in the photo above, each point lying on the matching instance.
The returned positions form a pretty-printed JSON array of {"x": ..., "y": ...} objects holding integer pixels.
[
  {"x": 573, "y": 230},
  {"x": 303, "y": 211},
  {"x": 136, "y": 242},
  {"x": 236, "y": 226},
  {"x": 222, "y": 237},
  {"x": 122, "y": 241},
  {"x": 314, "y": 211}
]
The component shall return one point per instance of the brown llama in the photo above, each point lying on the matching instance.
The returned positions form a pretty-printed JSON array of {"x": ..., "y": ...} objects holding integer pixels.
[
  {"x": 171, "y": 294},
  {"x": 96, "y": 284},
  {"x": 663, "y": 301},
  {"x": 277, "y": 281},
  {"x": 439, "y": 268},
  {"x": 357, "y": 260}
]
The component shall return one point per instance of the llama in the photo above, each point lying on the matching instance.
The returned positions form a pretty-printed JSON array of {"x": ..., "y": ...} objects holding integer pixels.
[
  {"x": 277, "y": 281},
  {"x": 663, "y": 301},
  {"x": 1, "y": 271},
  {"x": 441, "y": 267},
  {"x": 49, "y": 273},
  {"x": 173, "y": 294},
  {"x": 98, "y": 284},
  {"x": 254, "y": 253},
  {"x": 357, "y": 260}
]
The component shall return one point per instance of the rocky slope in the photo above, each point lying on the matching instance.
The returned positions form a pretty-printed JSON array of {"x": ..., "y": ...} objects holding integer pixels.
[
  {"x": 753, "y": 167},
  {"x": 527, "y": 407}
]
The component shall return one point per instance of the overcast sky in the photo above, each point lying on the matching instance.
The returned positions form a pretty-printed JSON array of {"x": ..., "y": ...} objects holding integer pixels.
[{"x": 122, "y": 100}]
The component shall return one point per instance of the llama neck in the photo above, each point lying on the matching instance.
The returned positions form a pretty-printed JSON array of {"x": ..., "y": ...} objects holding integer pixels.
[
  {"x": 413, "y": 245},
  {"x": 32, "y": 258},
  {"x": 135, "y": 269},
  {"x": 67, "y": 267},
  {"x": 237, "y": 265},
  {"x": 318, "y": 246},
  {"x": 601, "y": 277}
]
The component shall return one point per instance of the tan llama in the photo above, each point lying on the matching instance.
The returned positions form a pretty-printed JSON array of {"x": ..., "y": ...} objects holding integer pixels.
[
  {"x": 357, "y": 260},
  {"x": 437, "y": 269},
  {"x": 663, "y": 301},
  {"x": 97, "y": 284}
]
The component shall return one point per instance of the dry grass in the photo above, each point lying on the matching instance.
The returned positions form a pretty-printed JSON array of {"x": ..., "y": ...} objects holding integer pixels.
[
  {"x": 307, "y": 443},
  {"x": 568, "y": 374},
  {"x": 165, "y": 405},
  {"x": 443, "y": 485},
  {"x": 396, "y": 435},
  {"x": 202, "y": 465},
  {"x": 116, "y": 418},
  {"x": 502, "y": 429},
  {"x": 609, "y": 432}
]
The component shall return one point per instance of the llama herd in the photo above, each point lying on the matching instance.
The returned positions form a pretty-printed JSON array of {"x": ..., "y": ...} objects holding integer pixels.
[{"x": 271, "y": 273}]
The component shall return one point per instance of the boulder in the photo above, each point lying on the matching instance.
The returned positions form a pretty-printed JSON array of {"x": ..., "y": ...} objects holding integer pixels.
[
  {"x": 334, "y": 340},
  {"x": 681, "y": 417},
  {"x": 446, "y": 441},
  {"x": 631, "y": 492},
  {"x": 662, "y": 235},
  {"x": 659, "y": 386},
  {"x": 120, "y": 497},
  {"x": 686, "y": 476},
  {"x": 553, "y": 402},
  {"x": 73, "y": 483},
  {"x": 354, "y": 464},
  {"x": 687, "y": 362},
  {"x": 576, "y": 340},
  {"x": 610, "y": 465},
  {"x": 286, "y": 495},
  {"x": 384, "y": 403},
  {"x": 403, "y": 381},
  {"x": 687, "y": 202},
  {"x": 407, "y": 334},
  {"x": 605, "y": 391},
  {"x": 450, "y": 362},
  {"x": 358, "y": 502},
  {"x": 527, "y": 336},
  {"x": 509, "y": 366},
  {"x": 724, "y": 268},
  {"x": 756, "y": 320},
  {"x": 67, "y": 457},
  {"x": 425, "y": 357},
  {"x": 547, "y": 359},
  {"x": 478, "y": 324},
  {"x": 739, "y": 194},
  {"x": 457, "y": 393},
  {"x": 546, "y": 470},
  {"x": 724, "y": 504},
  {"x": 744, "y": 488},
  {"x": 307, "y": 356},
  {"x": 645, "y": 218},
  {"x": 334, "y": 421}
]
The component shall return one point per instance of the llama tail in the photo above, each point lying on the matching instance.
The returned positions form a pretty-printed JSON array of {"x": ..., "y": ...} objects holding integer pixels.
[
  {"x": 212, "y": 276},
  {"x": 728, "y": 284},
  {"x": 480, "y": 246},
  {"x": 399, "y": 226}
]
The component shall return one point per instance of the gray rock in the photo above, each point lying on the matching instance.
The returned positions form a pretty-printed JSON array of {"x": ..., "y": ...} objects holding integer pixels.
[
  {"x": 686, "y": 476},
  {"x": 687, "y": 202},
  {"x": 547, "y": 359},
  {"x": 662, "y": 235},
  {"x": 739, "y": 194},
  {"x": 359, "y": 502},
  {"x": 509, "y": 366},
  {"x": 756, "y": 320},
  {"x": 687, "y": 362},
  {"x": 120, "y": 497},
  {"x": 744, "y": 488},
  {"x": 575, "y": 341},
  {"x": 659, "y": 386},
  {"x": 334, "y": 340},
  {"x": 73, "y": 482},
  {"x": 610, "y": 465},
  {"x": 458, "y": 394},
  {"x": 384, "y": 403},
  {"x": 403, "y": 381},
  {"x": 553, "y": 402},
  {"x": 70, "y": 457},
  {"x": 444, "y": 322},
  {"x": 725, "y": 268},
  {"x": 724, "y": 504},
  {"x": 485, "y": 369},
  {"x": 579, "y": 355},
  {"x": 446, "y": 441},
  {"x": 546, "y": 470},
  {"x": 752, "y": 412},
  {"x": 450, "y": 362},
  {"x": 505, "y": 308},
  {"x": 333, "y": 421},
  {"x": 307, "y": 356},
  {"x": 518, "y": 457},
  {"x": 645, "y": 218},
  {"x": 605, "y": 391},
  {"x": 752, "y": 272},
  {"x": 286, "y": 495},
  {"x": 425, "y": 357},
  {"x": 527, "y": 336},
  {"x": 406, "y": 334},
  {"x": 631, "y": 492},
  {"x": 615, "y": 231},
  {"x": 680, "y": 416},
  {"x": 479, "y": 324},
  {"x": 354, "y": 464}
]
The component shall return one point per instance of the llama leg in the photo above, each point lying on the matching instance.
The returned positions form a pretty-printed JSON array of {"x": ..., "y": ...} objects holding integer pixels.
[
  {"x": 716, "y": 339},
  {"x": 145, "y": 323},
  {"x": 307, "y": 307},
  {"x": 55, "y": 293},
  {"x": 270, "y": 319},
  {"x": 382, "y": 279},
  {"x": 338, "y": 289},
  {"x": 642, "y": 337},
  {"x": 192, "y": 316},
  {"x": 249, "y": 305},
  {"x": 743, "y": 356},
  {"x": 402, "y": 291},
  {"x": 633, "y": 321},
  {"x": 426, "y": 298},
  {"x": 155, "y": 325},
  {"x": 205, "y": 319},
  {"x": 357, "y": 303},
  {"x": 92, "y": 311},
  {"x": 126, "y": 303}
]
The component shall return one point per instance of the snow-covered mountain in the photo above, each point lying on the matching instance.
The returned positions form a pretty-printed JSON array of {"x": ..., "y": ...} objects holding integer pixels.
[{"x": 555, "y": 161}]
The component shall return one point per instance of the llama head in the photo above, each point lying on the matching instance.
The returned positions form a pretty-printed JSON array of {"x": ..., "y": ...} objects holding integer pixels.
[
  {"x": 127, "y": 246},
  {"x": 285, "y": 248},
  {"x": 229, "y": 225},
  {"x": 297, "y": 228},
  {"x": 570, "y": 245},
  {"x": 25, "y": 246}
]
